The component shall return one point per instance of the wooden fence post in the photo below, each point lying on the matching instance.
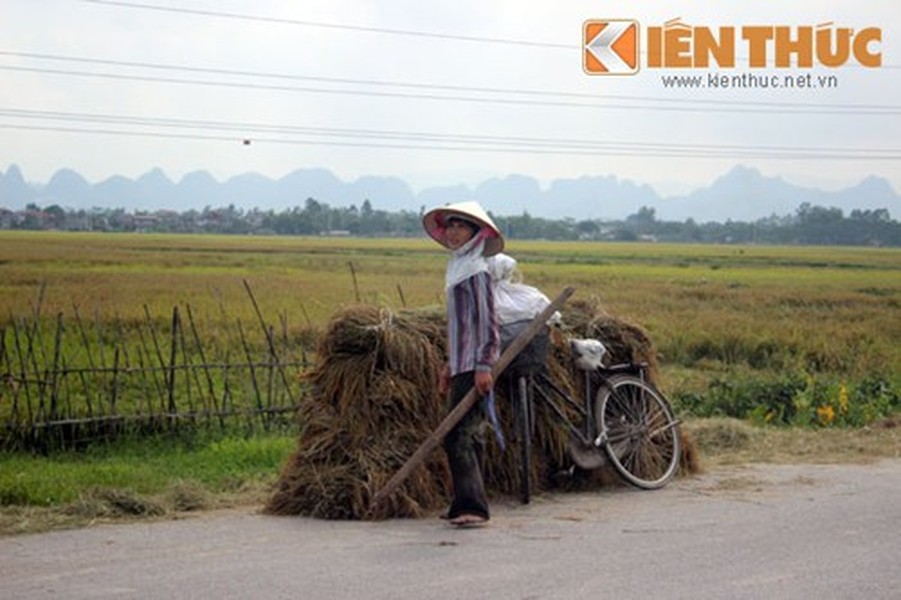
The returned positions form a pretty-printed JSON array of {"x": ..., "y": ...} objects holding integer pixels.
[{"x": 170, "y": 383}]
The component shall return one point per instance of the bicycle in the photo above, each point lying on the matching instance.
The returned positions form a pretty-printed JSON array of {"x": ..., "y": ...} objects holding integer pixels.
[{"x": 625, "y": 420}]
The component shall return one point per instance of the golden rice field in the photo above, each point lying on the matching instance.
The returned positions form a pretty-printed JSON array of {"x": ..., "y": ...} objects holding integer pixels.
[
  {"x": 715, "y": 313},
  {"x": 709, "y": 309}
]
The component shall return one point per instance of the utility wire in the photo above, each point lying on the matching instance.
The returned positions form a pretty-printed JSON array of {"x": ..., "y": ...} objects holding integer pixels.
[
  {"x": 358, "y": 28},
  {"x": 432, "y": 86},
  {"x": 355, "y": 28},
  {"x": 805, "y": 110},
  {"x": 471, "y": 147},
  {"x": 246, "y": 128}
]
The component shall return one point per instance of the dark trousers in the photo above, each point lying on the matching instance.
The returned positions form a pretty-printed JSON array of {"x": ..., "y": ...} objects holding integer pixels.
[{"x": 464, "y": 446}]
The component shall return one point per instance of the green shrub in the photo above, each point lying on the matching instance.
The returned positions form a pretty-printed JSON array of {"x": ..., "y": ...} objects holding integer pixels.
[{"x": 793, "y": 399}]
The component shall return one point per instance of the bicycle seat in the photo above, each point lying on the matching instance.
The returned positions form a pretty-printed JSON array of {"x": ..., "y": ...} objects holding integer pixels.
[{"x": 587, "y": 354}]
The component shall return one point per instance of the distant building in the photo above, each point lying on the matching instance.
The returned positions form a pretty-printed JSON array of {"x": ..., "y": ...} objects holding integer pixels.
[
  {"x": 8, "y": 219},
  {"x": 145, "y": 223}
]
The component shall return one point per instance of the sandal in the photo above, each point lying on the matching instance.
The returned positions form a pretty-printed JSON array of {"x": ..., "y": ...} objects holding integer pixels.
[{"x": 469, "y": 521}]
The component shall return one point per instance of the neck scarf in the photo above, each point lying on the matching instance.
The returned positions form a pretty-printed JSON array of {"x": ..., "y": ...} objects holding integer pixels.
[{"x": 467, "y": 260}]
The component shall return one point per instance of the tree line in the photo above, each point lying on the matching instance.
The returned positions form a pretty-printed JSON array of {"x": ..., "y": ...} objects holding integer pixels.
[{"x": 809, "y": 225}]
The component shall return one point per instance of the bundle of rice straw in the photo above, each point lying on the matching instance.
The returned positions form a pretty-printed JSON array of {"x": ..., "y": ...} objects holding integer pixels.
[{"x": 374, "y": 400}]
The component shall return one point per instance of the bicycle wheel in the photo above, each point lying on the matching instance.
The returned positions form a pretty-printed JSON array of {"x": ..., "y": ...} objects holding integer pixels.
[
  {"x": 639, "y": 431},
  {"x": 524, "y": 422}
]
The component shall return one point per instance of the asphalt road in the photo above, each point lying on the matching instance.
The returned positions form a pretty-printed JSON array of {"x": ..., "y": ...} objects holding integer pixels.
[{"x": 768, "y": 532}]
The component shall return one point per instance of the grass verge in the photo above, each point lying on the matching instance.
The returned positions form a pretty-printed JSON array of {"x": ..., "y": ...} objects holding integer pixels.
[
  {"x": 727, "y": 441},
  {"x": 162, "y": 479},
  {"x": 148, "y": 479}
]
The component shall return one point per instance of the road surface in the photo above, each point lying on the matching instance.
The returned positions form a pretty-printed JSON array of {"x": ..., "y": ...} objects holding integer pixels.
[{"x": 764, "y": 531}]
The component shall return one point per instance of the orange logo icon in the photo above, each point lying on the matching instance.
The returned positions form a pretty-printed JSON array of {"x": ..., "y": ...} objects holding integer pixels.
[{"x": 610, "y": 47}]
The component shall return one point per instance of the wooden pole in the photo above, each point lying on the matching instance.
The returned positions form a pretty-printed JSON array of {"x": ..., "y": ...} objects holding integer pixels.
[
  {"x": 55, "y": 372},
  {"x": 213, "y": 403},
  {"x": 159, "y": 356},
  {"x": 353, "y": 274},
  {"x": 173, "y": 353},
  {"x": 269, "y": 338},
  {"x": 470, "y": 399}
]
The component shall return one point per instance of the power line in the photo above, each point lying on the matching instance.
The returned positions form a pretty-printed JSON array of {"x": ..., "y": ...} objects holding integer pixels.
[
  {"x": 719, "y": 108},
  {"x": 250, "y": 127},
  {"x": 433, "y": 86},
  {"x": 305, "y": 23},
  {"x": 355, "y": 28},
  {"x": 437, "y": 142}
]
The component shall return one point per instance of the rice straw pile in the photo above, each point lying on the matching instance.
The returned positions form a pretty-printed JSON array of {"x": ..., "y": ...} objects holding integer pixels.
[{"x": 374, "y": 400}]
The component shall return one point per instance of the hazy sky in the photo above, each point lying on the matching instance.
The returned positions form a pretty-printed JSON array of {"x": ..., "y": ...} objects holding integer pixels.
[{"x": 438, "y": 92}]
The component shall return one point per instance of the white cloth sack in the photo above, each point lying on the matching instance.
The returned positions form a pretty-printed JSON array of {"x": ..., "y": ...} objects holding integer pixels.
[{"x": 515, "y": 301}]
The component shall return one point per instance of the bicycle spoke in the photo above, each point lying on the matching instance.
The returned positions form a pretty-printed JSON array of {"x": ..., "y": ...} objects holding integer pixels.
[
  {"x": 665, "y": 427},
  {"x": 625, "y": 404},
  {"x": 639, "y": 431}
]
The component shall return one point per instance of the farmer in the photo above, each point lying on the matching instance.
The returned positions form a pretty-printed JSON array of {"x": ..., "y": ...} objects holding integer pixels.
[{"x": 472, "y": 345}]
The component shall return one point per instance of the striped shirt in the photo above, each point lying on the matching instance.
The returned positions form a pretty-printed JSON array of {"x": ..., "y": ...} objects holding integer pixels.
[{"x": 472, "y": 331}]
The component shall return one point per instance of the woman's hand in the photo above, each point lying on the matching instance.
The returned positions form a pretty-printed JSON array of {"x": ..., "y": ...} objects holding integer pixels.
[{"x": 484, "y": 382}]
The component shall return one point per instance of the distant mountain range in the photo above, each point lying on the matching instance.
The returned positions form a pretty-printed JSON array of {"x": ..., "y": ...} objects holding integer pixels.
[{"x": 741, "y": 194}]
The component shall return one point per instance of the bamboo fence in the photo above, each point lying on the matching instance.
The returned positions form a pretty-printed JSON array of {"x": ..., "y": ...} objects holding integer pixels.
[{"x": 67, "y": 382}]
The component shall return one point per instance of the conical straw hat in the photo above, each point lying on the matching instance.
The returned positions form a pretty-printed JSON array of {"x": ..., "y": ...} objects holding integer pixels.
[{"x": 435, "y": 222}]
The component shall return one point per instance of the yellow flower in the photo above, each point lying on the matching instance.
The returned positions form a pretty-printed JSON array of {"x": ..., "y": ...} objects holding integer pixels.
[
  {"x": 825, "y": 414},
  {"x": 843, "y": 398}
]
